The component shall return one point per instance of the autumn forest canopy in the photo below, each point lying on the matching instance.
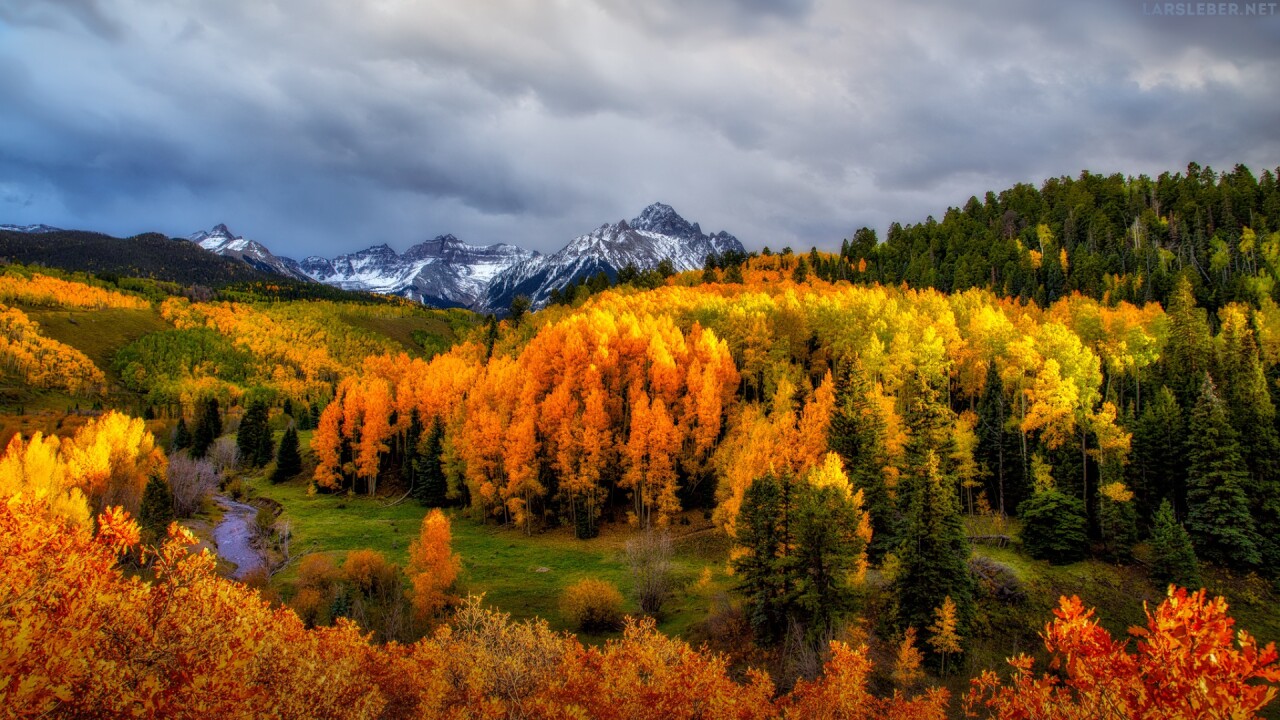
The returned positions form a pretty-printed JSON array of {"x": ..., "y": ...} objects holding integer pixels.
[{"x": 897, "y": 450}]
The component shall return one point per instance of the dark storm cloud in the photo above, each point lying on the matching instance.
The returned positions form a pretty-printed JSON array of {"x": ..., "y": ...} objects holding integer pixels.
[{"x": 324, "y": 126}]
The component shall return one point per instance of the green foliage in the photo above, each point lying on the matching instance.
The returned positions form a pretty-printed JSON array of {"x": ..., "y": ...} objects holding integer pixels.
[
  {"x": 857, "y": 435},
  {"x": 156, "y": 511},
  {"x": 934, "y": 553},
  {"x": 254, "y": 436},
  {"x": 156, "y": 363},
  {"x": 1157, "y": 467},
  {"x": 208, "y": 427},
  {"x": 1118, "y": 521},
  {"x": 430, "y": 486},
  {"x": 519, "y": 308},
  {"x": 288, "y": 459},
  {"x": 826, "y": 555},
  {"x": 762, "y": 572},
  {"x": 998, "y": 449},
  {"x": 1053, "y": 527},
  {"x": 1173, "y": 560},
  {"x": 182, "y": 436},
  {"x": 1218, "y": 517}
]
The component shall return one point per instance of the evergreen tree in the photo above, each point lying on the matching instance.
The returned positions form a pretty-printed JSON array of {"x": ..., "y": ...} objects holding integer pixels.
[
  {"x": 288, "y": 459},
  {"x": 208, "y": 428},
  {"x": 1118, "y": 520},
  {"x": 827, "y": 554},
  {"x": 1218, "y": 510},
  {"x": 519, "y": 308},
  {"x": 412, "y": 438},
  {"x": 181, "y": 436},
  {"x": 1189, "y": 350},
  {"x": 254, "y": 436},
  {"x": 763, "y": 532},
  {"x": 733, "y": 274},
  {"x": 1158, "y": 462},
  {"x": 857, "y": 435},
  {"x": 287, "y": 409},
  {"x": 934, "y": 554},
  {"x": 156, "y": 511},
  {"x": 1173, "y": 560},
  {"x": 998, "y": 449},
  {"x": 1054, "y": 526},
  {"x": 431, "y": 487},
  {"x": 801, "y": 272}
]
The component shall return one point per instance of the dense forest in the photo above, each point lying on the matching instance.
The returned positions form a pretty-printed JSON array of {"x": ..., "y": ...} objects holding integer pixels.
[{"x": 1085, "y": 373}]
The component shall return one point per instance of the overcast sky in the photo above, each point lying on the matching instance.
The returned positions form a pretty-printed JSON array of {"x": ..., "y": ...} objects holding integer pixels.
[{"x": 324, "y": 126}]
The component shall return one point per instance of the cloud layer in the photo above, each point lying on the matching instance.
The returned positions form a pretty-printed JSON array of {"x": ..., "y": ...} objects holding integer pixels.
[{"x": 323, "y": 126}]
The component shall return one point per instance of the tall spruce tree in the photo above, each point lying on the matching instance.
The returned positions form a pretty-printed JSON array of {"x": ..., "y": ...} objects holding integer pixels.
[
  {"x": 827, "y": 553},
  {"x": 254, "y": 436},
  {"x": 763, "y": 532},
  {"x": 857, "y": 435},
  {"x": 181, "y": 436},
  {"x": 431, "y": 487},
  {"x": 934, "y": 554},
  {"x": 1054, "y": 526},
  {"x": 1157, "y": 467},
  {"x": 208, "y": 428},
  {"x": 1218, "y": 516},
  {"x": 288, "y": 459},
  {"x": 156, "y": 511},
  {"x": 998, "y": 448},
  {"x": 1173, "y": 560}
]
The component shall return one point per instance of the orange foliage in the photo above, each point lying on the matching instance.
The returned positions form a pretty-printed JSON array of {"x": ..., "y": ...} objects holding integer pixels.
[
  {"x": 433, "y": 568},
  {"x": 48, "y": 291},
  {"x": 1188, "y": 664},
  {"x": 44, "y": 362}
]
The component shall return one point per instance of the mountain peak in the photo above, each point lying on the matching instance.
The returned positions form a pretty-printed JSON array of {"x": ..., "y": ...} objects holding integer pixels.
[
  {"x": 663, "y": 219},
  {"x": 221, "y": 229}
]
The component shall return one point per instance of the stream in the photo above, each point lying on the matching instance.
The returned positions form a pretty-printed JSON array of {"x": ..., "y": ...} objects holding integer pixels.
[{"x": 234, "y": 536}]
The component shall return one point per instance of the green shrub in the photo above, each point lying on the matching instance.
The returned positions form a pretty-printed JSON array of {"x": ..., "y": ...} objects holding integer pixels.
[{"x": 1053, "y": 527}]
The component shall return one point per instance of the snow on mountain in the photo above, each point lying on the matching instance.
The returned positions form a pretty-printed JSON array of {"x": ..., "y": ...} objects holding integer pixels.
[
  {"x": 33, "y": 229},
  {"x": 443, "y": 272},
  {"x": 658, "y": 233},
  {"x": 446, "y": 272},
  {"x": 221, "y": 241}
]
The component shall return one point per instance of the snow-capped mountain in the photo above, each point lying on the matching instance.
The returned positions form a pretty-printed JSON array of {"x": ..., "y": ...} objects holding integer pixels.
[
  {"x": 446, "y": 272},
  {"x": 33, "y": 229},
  {"x": 222, "y": 241},
  {"x": 443, "y": 272},
  {"x": 658, "y": 233}
]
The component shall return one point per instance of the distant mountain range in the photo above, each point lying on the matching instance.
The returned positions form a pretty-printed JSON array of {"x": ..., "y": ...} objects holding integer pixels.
[{"x": 442, "y": 272}]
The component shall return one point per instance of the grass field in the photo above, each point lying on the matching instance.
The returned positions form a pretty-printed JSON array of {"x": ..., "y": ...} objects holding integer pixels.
[
  {"x": 519, "y": 574},
  {"x": 99, "y": 334}
]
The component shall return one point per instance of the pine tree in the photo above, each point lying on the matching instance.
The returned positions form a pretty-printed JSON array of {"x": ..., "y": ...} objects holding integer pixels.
[
  {"x": 288, "y": 459},
  {"x": 1117, "y": 519},
  {"x": 762, "y": 531},
  {"x": 254, "y": 436},
  {"x": 1218, "y": 510},
  {"x": 733, "y": 274},
  {"x": 1054, "y": 526},
  {"x": 1173, "y": 560},
  {"x": 181, "y": 436},
  {"x": 998, "y": 449},
  {"x": 431, "y": 487},
  {"x": 208, "y": 428},
  {"x": 156, "y": 511},
  {"x": 1158, "y": 462},
  {"x": 857, "y": 435},
  {"x": 934, "y": 554},
  {"x": 828, "y": 554}
]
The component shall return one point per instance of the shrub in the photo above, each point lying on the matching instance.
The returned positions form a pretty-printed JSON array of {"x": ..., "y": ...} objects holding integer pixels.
[
  {"x": 191, "y": 482},
  {"x": 1053, "y": 527},
  {"x": 592, "y": 605},
  {"x": 649, "y": 555}
]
